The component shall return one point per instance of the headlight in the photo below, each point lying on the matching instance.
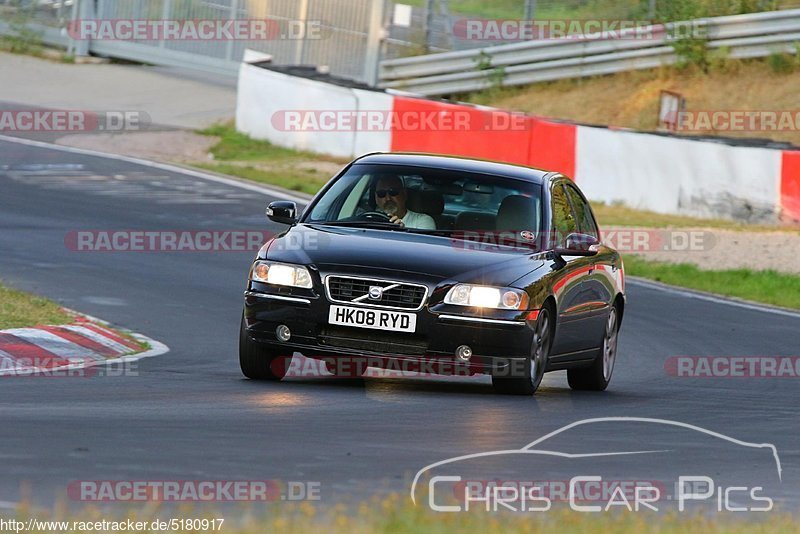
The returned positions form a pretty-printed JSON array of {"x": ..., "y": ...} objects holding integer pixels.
[
  {"x": 502, "y": 298},
  {"x": 280, "y": 274}
]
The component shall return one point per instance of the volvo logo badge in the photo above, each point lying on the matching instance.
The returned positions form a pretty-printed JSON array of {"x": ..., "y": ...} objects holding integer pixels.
[{"x": 375, "y": 292}]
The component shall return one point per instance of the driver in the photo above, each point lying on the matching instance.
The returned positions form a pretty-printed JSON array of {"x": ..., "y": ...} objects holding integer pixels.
[{"x": 391, "y": 197}]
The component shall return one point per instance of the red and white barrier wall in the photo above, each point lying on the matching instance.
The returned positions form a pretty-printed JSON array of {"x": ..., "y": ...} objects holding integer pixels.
[
  {"x": 265, "y": 97},
  {"x": 646, "y": 171}
]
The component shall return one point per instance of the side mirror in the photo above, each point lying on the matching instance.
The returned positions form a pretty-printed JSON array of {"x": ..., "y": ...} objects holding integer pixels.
[
  {"x": 282, "y": 211},
  {"x": 580, "y": 245}
]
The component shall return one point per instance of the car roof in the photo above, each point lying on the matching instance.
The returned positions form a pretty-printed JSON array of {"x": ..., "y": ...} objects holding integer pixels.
[{"x": 454, "y": 163}]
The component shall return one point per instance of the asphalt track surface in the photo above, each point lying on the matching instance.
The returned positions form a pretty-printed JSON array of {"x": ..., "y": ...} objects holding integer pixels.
[{"x": 190, "y": 415}]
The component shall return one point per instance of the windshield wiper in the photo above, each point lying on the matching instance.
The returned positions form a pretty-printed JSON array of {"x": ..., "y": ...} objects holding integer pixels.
[
  {"x": 365, "y": 224},
  {"x": 446, "y": 233}
]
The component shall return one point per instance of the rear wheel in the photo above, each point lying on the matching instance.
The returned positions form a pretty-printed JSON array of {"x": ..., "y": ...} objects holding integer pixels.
[
  {"x": 535, "y": 364},
  {"x": 598, "y": 376},
  {"x": 258, "y": 362}
]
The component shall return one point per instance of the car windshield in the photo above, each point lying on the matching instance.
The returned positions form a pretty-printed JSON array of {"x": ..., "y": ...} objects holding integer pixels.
[{"x": 437, "y": 201}]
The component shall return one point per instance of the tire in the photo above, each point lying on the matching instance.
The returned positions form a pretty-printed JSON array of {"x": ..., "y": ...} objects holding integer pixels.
[
  {"x": 257, "y": 362},
  {"x": 598, "y": 375},
  {"x": 535, "y": 364}
]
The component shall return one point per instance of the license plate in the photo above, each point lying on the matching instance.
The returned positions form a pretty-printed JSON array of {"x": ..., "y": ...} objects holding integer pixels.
[{"x": 375, "y": 319}]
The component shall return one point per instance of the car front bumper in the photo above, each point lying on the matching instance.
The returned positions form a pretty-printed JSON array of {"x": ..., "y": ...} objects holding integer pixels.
[{"x": 496, "y": 343}]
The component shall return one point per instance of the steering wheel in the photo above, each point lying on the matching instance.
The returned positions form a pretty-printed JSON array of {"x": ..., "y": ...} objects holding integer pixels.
[{"x": 377, "y": 216}]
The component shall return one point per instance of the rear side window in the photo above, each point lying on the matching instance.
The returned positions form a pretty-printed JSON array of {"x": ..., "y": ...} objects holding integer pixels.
[
  {"x": 583, "y": 214},
  {"x": 563, "y": 221}
]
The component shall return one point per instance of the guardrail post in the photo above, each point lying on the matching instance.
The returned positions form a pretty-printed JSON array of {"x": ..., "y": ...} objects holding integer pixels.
[
  {"x": 375, "y": 39},
  {"x": 429, "y": 17},
  {"x": 85, "y": 12},
  {"x": 166, "y": 14},
  {"x": 302, "y": 19},
  {"x": 530, "y": 9},
  {"x": 231, "y": 42}
]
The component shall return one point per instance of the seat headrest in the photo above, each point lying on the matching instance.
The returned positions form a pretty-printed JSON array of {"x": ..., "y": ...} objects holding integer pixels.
[
  {"x": 428, "y": 202},
  {"x": 475, "y": 221},
  {"x": 518, "y": 212}
]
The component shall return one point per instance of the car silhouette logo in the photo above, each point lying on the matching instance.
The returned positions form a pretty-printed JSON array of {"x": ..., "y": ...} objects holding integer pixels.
[
  {"x": 536, "y": 448},
  {"x": 375, "y": 293}
]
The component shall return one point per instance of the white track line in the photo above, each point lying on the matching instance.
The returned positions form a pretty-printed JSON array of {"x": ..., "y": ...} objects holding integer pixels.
[
  {"x": 631, "y": 280},
  {"x": 257, "y": 188}
]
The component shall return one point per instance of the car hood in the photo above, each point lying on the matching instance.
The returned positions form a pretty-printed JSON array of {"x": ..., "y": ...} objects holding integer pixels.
[{"x": 331, "y": 248}]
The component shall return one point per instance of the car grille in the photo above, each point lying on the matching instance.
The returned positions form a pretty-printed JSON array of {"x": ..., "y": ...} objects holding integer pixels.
[
  {"x": 397, "y": 295},
  {"x": 373, "y": 340}
]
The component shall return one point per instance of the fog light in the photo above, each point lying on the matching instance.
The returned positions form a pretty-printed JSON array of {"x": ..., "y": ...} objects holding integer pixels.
[
  {"x": 283, "y": 333},
  {"x": 464, "y": 353}
]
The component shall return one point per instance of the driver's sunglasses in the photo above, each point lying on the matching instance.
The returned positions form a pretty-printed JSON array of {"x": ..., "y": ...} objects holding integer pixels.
[{"x": 381, "y": 193}]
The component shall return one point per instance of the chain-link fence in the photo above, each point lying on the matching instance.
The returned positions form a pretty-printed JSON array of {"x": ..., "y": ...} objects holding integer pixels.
[
  {"x": 343, "y": 35},
  {"x": 350, "y": 32},
  {"x": 433, "y": 25}
]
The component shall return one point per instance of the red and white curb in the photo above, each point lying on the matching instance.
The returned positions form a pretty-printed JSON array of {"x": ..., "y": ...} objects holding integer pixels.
[{"x": 87, "y": 342}]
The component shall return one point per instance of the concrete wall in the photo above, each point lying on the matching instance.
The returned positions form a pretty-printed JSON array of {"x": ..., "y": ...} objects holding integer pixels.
[
  {"x": 269, "y": 103},
  {"x": 659, "y": 173},
  {"x": 678, "y": 176}
]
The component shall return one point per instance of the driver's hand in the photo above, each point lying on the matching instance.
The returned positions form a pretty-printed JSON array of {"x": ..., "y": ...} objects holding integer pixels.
[{"x": 397, "y": 220}]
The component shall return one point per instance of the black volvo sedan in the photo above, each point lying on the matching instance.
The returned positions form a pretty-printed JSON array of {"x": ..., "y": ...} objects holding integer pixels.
[{"x": 443, "y": 264}]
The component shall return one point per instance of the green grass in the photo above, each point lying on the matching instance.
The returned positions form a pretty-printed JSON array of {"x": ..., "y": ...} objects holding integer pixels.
[
  {"x": 768, "y": 287},
  {"x": 395, "y": 515},
  {"x": 19, "y": 309},
  {"x": 298, "y": 180},
  {"x": 565, "y": 9},
  {"x": 595, "y": 9},
  {"x": 619, "y": 215},
  {"x": 239, "y": 155},
  {"x": 236, "y": 146}
]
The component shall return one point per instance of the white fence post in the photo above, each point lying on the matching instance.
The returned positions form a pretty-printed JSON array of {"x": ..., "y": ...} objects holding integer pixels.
[
  {"x": 302, "y": 17},
  {"x": 375, "y": 38},
  {"x": 85, "y": 12},
  {"x": 231, "y": 42}
]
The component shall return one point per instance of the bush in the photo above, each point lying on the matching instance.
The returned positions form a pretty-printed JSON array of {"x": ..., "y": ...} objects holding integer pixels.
[
  {"x": 22, "y": 40},
  {"x": 781, "y": 62},
  {"x": 674, "y": 10}
]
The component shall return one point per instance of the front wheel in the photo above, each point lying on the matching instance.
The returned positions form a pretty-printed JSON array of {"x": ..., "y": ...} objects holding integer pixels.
[
  {"x": 534, "y": 366},
  {"x": 598, "y": 376},
  {"x": 257, "y": 362}
]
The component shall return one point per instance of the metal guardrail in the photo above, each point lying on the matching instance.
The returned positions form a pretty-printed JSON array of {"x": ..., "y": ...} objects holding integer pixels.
[
  {"x": 349, "y": 46},
  {"x": 745, "y": 36}
]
